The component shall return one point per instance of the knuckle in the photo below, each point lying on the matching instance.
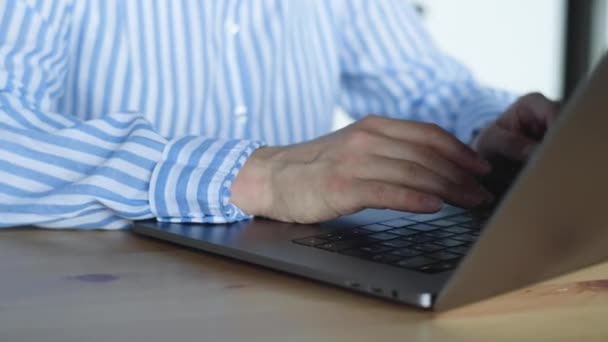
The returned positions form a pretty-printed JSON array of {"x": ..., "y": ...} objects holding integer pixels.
[
  {"x": 535, "y": 95},
  {"x": 359, "y": 138},
  {"x": 433, "y": 128},
  {"x": 370, "y": 120},
  {"x": 350, "y": 160},
  {"x": 434, "y": 131},
  {"x": 425, "y": 154}
]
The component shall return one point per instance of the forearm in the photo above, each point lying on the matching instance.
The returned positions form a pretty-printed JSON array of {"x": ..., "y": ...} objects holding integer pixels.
[
  {"x": 107, "y": 172},
  {"x": 88, "y": 175},
  {"x": 393, "y": 68}
]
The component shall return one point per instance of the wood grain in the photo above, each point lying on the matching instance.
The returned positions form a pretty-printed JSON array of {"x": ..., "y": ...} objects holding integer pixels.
[{"x": 115, "y": 286}]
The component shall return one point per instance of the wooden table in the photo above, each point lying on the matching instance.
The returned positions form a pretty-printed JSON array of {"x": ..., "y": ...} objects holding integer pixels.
[{"x": 115, "y": 286}]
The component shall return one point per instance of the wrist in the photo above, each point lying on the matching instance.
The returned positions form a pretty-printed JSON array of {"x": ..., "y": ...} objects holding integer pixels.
[{"x": 252, "y": 188}]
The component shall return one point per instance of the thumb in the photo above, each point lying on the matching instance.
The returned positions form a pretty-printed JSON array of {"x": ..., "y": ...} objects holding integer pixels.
[{"x": 498, "y": 141}]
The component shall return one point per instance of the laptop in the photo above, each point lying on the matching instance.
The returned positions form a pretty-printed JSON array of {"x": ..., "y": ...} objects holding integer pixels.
[{"x": 552, "y": 220}]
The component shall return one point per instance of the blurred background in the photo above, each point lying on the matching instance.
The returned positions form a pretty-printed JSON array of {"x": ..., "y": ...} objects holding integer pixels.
[{"x": 519, "y": 45}]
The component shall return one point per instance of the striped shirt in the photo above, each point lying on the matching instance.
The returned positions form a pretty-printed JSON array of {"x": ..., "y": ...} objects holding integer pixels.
[{"x": 120, "y": 110}]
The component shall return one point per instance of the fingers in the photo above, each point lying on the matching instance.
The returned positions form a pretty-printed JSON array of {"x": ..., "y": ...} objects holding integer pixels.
[
  {"x": 541, "y": 107},
  {"x": 414, "y": 176},
  {"x": 383, "y": 146},
  {"x": 531, "y": 115},
  {"x": 500, "y": 141},
  {"x": 378, "y": 194},
  {"x": 431, "y": 136},
  {"x": 517, "y": 133}
]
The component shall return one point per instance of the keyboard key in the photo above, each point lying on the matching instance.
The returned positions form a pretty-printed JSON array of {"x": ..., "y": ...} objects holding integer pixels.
[
  {"x": 406, "y": 252},
  {"x": 457, "y": 229},
  {"x": 427, "y": 217},
  {"x": 465, "y": 237},
  {"x": 337, "y": 237},
  {"x": 444, "y": 255},
  {"x": 348, "y": 244},
  {"x": 442, "y": 223},
  {"x": 423, "y": 227},
  {"x": 355, "y": 252},
  {"x": 396, "y": 243},
  {"x": 344, "y": 234},
  {"x": 427, "y": 247},
  {"x": 376, "y": 227},
  {"x": 310, "y": 241},
  {"x": 427, "y": 269},
  {"x": 331, "y": 246},
  {"x": 365, "y": 240},
  {"x": 348, "y": 234},
  {"x": 403, "y": 231},
  {"x": 383, "y": 236},
  {"x": 451, "y": 210},
  {"x": 384, "y": 258},
  {"x": 356, "y": 232},
  {"x": 448, "y": 242},
  {"x": 446, "y": 211},
  {"x": 438, "y": 234},
  {"x": 375, "y": 249},
  {"x": 398, "y": 223},
  {"x": 460, "y": 218},
  {"x": 327, "y": 235},
  {"x": 415, "y": 262},
  {"x": 476, "y": 223},
  {"x": 464, "y": 249},
  {"x": 448, "y": 265},
  {"x": 417, "y": 238}
]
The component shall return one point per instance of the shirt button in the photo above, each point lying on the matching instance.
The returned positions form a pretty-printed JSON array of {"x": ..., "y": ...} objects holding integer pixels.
[
  {"x": 233, "y": 28},
  {"x": 241, "y": 114}
]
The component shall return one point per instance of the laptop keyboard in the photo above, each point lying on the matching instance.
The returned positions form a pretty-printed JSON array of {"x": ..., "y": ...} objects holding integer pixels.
[{"x": 429, "y": 243}]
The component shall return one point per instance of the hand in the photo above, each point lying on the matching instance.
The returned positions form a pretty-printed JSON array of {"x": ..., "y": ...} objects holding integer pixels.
[
  {"x": 373, "y": 163},
  {"x": 518, "y": 131}
]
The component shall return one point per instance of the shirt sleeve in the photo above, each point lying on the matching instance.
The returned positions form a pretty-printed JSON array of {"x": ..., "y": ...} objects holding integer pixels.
[
  {"x": 390, "y": 66},
  {"x": 60, "y": 172}
]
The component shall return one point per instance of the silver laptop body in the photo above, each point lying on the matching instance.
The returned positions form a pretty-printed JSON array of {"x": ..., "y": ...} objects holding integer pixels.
[{"x": 554, "y": 219}]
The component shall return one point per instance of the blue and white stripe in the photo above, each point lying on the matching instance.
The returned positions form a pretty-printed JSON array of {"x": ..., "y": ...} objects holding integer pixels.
[{"x": 120, "y": 110}]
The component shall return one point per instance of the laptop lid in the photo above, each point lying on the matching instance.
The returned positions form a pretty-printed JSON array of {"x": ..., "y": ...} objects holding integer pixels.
[{"x": 554, "y": 218}]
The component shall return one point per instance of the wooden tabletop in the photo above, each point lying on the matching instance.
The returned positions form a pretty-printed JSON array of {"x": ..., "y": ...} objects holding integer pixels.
[{"x": 115, "y": 286}]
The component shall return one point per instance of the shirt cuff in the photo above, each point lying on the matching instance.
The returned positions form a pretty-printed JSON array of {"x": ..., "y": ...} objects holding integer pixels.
[
  {"x": 480, "y": 110},
  {"x": 191, "y": 182}
]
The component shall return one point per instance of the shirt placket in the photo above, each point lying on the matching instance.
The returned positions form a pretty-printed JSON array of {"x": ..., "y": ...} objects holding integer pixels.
[{"x": 231, "y": 35}]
